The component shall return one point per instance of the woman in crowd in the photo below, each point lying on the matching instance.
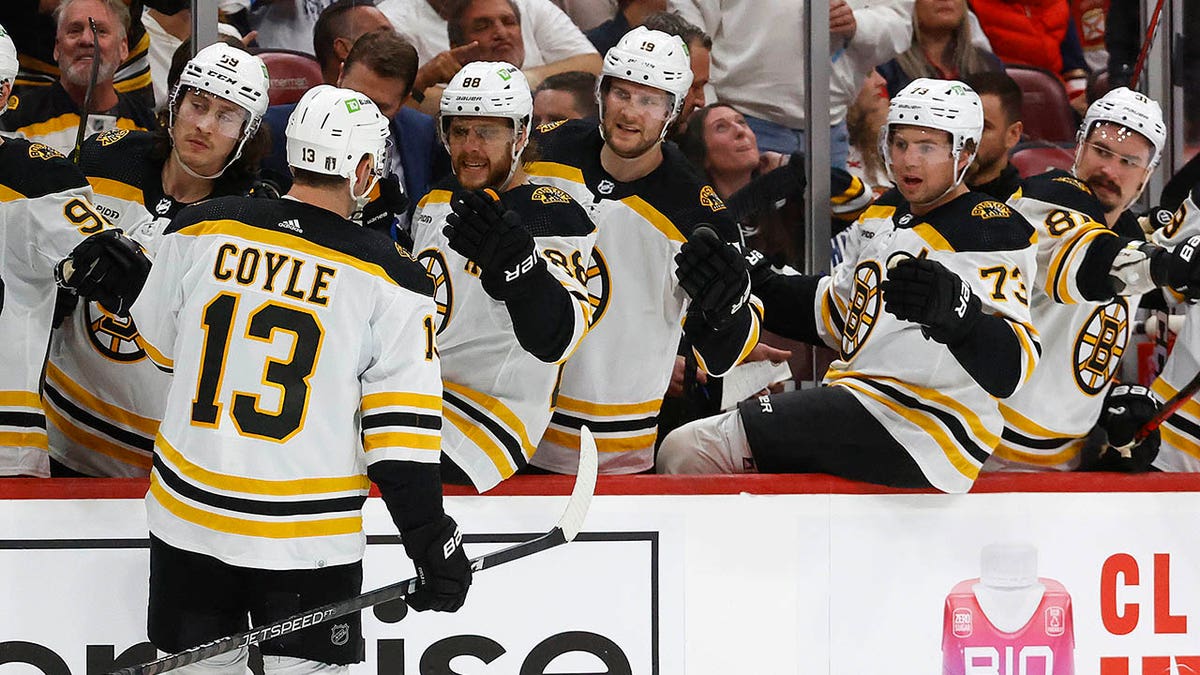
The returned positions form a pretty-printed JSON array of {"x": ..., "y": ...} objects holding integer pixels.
[{"x": 942, "y": 47}]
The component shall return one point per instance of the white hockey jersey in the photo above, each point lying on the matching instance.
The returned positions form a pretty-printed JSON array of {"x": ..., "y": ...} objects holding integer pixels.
[
  {"x": 303, "y": 351},
  {"x": 45, "y": 210},
  {"x": 1046, "y": 423},
  {"x": 498, "y": 397},
  {"x": 915, "y": 386},
  {"x": 615, "y": 381},
  {"x": 104, "y": 398},
  {"x": 1180, "y": 447}
]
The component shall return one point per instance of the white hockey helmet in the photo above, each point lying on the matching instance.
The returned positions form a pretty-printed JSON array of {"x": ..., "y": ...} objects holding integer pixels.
[
  {"x": 653, "y": 58},
  {"x": 488, "y": 89},
  {"x": 229, "y": 73},
  {"x": 1131, "y": 110},
  {"x": 331, "y": 129},
  {"x": 945, "y": 105},
  {"x": 8, "y": 57}
]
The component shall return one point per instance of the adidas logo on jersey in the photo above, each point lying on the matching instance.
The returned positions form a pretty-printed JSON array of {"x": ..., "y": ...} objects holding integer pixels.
[{"x": 291, "y": 224}]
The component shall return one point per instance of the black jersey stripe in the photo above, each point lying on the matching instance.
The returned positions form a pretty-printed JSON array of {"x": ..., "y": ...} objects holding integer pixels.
[
  {"x": 511, "y": 444},
  {"x": 605, "y": 426},
  {"x": 1184, "y": 424},
  {"x": 130, "y": 438},
  {"x": 950, "y": 421},
  {"x": 1036, "y": 443},
  {"x": 401, "y": 419},
  {"x": 22, "y": 419},
  {"x": 255, "y": 507},
  {"x": 834, "y": 314}
]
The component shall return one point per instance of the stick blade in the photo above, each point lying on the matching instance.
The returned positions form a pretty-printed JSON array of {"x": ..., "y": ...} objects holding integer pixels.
[{"x": 585, "y": 486}]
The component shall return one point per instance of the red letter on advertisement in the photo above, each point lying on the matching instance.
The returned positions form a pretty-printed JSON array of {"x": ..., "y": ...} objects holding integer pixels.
[
  {"x": 1114, "y": 665},
  {"x": 1164, "y": 622},
  {"x": 1118, "y": 621}
]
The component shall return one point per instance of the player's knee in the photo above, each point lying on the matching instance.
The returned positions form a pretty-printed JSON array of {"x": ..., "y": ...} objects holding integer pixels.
[
  {"x": 290, "y": 665},
  {"x": 698, "y": 447},
  {"x": 235, "y": 662}
]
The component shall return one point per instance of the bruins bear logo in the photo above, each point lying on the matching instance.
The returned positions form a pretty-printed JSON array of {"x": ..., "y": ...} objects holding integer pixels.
[
  {"x": 1073, "y": 182},
  {"x": 1099, "y": 346},
  {"x": 991, "y": 209},
  {"x": 443, "y": 292},
  {"x": 548, "y": 194},
  {"x": 112, "y": 136},
  {"x": 41, "y": 151},
  {"x": 598, "y": 282},
  {"x": 550, "y": 126},
  {"x": 709, "y": 198},
  {"x": 864, "y": 308},
  {"x": 113, "y": 336}
]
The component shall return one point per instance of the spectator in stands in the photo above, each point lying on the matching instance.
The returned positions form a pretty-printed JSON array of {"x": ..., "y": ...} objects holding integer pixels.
[
  {"x": 566, "y": 96},
  {"x": 991, "y": 172},
  {"x": 942, "y": 47},
  {"x": 630, "y": 13},
  {"x": 864, "y": 118},
  {"x": 758, "y": 58},
  {"x": 699, "y": 46},
  {"x": 382, "y": 66},
  {"x": 52, "y": 114},
  {"x": 166, "y": 33},
  {"x": 338, "y": 28},
  {"x": 288, "y": 24},
  {"x": 1037, "y": 33},
  {"x": 534, "y": 35}
]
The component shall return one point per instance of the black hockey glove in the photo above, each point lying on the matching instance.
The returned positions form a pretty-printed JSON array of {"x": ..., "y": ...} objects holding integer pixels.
[
  {"x": 64, "y": 305},
  {"x": 107, "y": 267},
  {"x": 443, "y": 571},
  {"x": 484, "y": 232},
  {"x": 924, "y": 291},
  {"x": 1127, "y": 408},
  {"x": 1178, "y": 268},
  {"x": 381, "y": 213},
  {"x": 714, "y": 275}
]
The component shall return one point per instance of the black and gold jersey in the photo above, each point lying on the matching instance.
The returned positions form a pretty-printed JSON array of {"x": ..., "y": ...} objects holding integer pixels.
[
  {"x": 303, "y": 352},
  {"x": 49, "y": 115}
]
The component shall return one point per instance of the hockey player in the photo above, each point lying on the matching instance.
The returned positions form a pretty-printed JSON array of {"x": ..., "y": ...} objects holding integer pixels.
[
  {"x": 304, "y": 363},
  {"x": 45, "y": 210},
  {"x": 927, "y": 310},
  {"x": 509, "y": 276},
  {"x": 103, "y": 397},
  {"x": 1093, "y": 265},
  {"x": 646, "y": 203}
]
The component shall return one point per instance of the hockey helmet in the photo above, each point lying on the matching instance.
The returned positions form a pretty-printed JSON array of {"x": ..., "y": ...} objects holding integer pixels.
[
  {"x": 232, "y": 74},
  {"x": 8, "y": 57},
  {"x": 653, "y": 58},
  {"x": 946, "y": 105},
  {"x": 488, "y": 89},
  {"x": 1131, "y": 110},
  {"x": 331, "y": 129}
]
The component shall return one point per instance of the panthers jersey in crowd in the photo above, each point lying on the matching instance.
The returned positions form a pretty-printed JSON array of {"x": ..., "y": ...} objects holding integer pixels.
[
  {"x": 497, "y": 397},
  {"x": 1048, "y": 420},
  {"x": 49, "y": 115},
  {"x": 615, "y": 381},
  {"x": 302, "y": 350},
  {"x": 103, "y": 397},
  {"x": 45, "y": 210},
  {"x": 1180, "y": 448},
  {"x": 915, "y": 386}
]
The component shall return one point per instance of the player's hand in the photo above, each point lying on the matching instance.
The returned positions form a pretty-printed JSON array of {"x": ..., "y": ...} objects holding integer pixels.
[
  {"x": 443, "y": 571},
  {"x": 381, "y": 213},
  {"x": 924, "y": 291},
  {"x": 1178, "y": 268},
  {"x": 482, "y": 231},
  {"x": 1127, "y": 409},
  {"x": 107, "y": 267},
  {"x": 714, "y": 275}
]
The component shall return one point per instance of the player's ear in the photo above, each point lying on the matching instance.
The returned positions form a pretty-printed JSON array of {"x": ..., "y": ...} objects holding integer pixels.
[{"x": 362, "y": 172}]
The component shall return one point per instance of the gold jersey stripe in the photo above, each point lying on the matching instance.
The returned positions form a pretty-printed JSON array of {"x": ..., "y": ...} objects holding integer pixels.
[
  {"x": 24, "y": 439},
  {"x": 257, "y": 486},
  {"x": 496, "y": 409},
  {"x": 400, "y": 439},
  {"x": 326, "y": 527},
  {"x": 932, "y": 237},
  {"x": 86, "y": 439},
  {"x": 654, "y": 217},
  {"x": 570, "y": 439},
  {"x": 555, "y": 170},
  {"x": 1178, "y": 441},
  {"x": 974, "y": 424},
  {"x": 8, "y": 194},
  {"x": 575, "y": 405},
  {"x": 146, "y": 425},
  {"x": 477, "y": 436},
  {"x": 22, "y": 399},
  {"x": 1062, "y": 456},
  {"x": 1055, "y": 271},
  {"x": 435, "y": 197},
  {"x": 404, "y": 399},
  {"x": 116, "y": 189},
  {"x": 1026, "y": 426},
  {"x": 154, "y": 355}
]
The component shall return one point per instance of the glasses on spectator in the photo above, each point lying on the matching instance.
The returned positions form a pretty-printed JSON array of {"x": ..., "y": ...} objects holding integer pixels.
[
  {"x": 657, "y": 104},
  {"x": 1108, "y": 155},
  {"x": 198, "y": 106}
]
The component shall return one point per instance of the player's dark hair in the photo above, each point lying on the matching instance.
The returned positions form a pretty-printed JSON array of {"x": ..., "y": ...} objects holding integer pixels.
[
  {"x": 454, "y": 12},
  {"x": 580, "y": 85},
  {"x": 387, "y": 54},
  {"x": 1003, "y": 87},
  {"x": 672, "y": 23},
  {"x": 333, "y": 23}
]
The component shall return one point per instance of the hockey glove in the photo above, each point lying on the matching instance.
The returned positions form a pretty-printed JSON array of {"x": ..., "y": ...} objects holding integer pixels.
[
  {"x": 714, "y": 275},
  {"x": 482, "y": 231},
  {"x": 1127, "y": 408},
  {"x": 924, "y": 291},
  {"x": 107, "y": 267},
  {"x": 443, "y": 571},
  {"x": 1178, "y": 268},
  {"x": 381, "y": 213}
]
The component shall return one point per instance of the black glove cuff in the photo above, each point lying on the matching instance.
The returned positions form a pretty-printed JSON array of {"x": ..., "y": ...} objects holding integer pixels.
[
  {"x": 424, "y": 542},
  {"x": 953, "y": 334}
]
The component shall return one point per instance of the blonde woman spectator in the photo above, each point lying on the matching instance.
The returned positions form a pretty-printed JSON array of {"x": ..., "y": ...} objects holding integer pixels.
[{"x": 942, "y": 47}]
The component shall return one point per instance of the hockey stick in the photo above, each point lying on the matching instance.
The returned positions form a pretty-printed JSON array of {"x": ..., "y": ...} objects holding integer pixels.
[
  {"x": 1151, "y": 30},
  {"x": 567, "y": 528},
  {"x": 1168, "y": 408},
  {"x": 87, "y": 97}
]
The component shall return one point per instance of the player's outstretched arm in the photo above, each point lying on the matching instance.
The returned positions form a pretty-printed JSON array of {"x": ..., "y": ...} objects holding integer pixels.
[
  {"x": 788, "y": 299},
  {"x": 923, "y": 291},
  {"x": 512, "y": 272},
  {"x": 107, "y": 267}
]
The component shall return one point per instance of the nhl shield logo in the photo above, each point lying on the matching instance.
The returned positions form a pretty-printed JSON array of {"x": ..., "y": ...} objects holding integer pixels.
[
  {"x": 162, "y": 206},
  {"x": 605, "y": 187},
  {"x": 339, "y": 634}
]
